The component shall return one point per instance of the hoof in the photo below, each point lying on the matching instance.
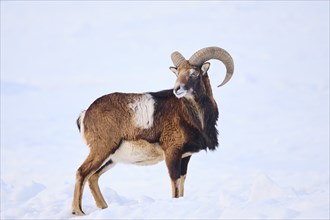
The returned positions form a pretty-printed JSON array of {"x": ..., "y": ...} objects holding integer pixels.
[
  {"x": 102, "y": 206},
  {"x": 79, "y": 213}
]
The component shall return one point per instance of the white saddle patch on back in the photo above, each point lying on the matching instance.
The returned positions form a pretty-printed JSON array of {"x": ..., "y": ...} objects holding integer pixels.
[
  {"x": 138, "y": 152},
  {"x": 143, "y": 109}
]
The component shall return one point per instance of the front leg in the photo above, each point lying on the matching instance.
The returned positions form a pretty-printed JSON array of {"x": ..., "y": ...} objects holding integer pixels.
[
  {"x": 173, "y": 163},
  {"x": 184, "y": 167}
]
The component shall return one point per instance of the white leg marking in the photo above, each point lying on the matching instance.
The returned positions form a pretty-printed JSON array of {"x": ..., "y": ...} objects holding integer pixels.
[
  {"x": 187, "y": 154},
  {"x": 181, "y": 187}
]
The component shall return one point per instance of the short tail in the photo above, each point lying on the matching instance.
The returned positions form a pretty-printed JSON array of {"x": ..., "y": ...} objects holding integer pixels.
[{"x": 80, "y": 120}]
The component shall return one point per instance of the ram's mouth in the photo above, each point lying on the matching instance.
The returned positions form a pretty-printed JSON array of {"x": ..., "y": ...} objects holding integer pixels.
[{"x": 180, "y": 94}]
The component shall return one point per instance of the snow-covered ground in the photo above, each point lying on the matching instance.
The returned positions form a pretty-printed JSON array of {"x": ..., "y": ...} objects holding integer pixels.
[{"x": 273, "y": 158}]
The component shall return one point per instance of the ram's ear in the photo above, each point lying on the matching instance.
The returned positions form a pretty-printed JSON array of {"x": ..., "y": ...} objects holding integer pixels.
[
  {"x": 205, "y": 67},
  {"x": 174, "y": 70}
]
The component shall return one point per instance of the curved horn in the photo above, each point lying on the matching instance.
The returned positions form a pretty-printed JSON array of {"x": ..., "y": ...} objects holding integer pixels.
[
  {"x": 208, "y": 53},
  {"x": 177, "y": 58}
]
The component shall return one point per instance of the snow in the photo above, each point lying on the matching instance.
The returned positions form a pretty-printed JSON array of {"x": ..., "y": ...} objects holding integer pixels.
[{"x": 273, "y": 159}]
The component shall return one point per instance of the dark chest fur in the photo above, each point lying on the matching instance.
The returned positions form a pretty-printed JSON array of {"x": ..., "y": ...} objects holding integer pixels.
[
  {"x": 197, "y": 119},
  {"x": 202, "y": 133}
]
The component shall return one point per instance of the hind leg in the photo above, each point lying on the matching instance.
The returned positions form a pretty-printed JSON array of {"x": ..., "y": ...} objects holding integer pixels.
[
  {"x": 94, "y": 186},
  {"x": 85, "y": 171}
]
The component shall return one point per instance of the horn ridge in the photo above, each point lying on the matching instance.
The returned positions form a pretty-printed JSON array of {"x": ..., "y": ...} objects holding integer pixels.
[
  {"x": 208, "y": 53},
  {"x": 177, "y": 58}
]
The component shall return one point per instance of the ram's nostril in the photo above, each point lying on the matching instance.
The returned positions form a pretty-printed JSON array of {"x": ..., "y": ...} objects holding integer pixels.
[{"x": 179, "y": 89}]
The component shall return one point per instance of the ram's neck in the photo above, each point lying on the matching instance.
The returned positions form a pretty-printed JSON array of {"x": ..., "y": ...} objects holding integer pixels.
[
  {"x": 208, "y": 90},
  {"x": 194, "y": 113},
  {"x": 201, "y": 115},
  {"x": 201, "y": 111}
]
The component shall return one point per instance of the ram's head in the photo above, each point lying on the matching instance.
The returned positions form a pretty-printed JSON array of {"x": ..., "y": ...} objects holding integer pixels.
[{"x": 190, "y": 73}]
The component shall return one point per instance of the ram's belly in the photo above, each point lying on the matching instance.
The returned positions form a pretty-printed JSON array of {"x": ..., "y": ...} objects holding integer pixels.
[{"x": 138, "y": 152}]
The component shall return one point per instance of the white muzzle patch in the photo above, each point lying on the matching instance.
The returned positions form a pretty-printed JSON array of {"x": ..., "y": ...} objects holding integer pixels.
[{"x": 181, "y": 92}]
